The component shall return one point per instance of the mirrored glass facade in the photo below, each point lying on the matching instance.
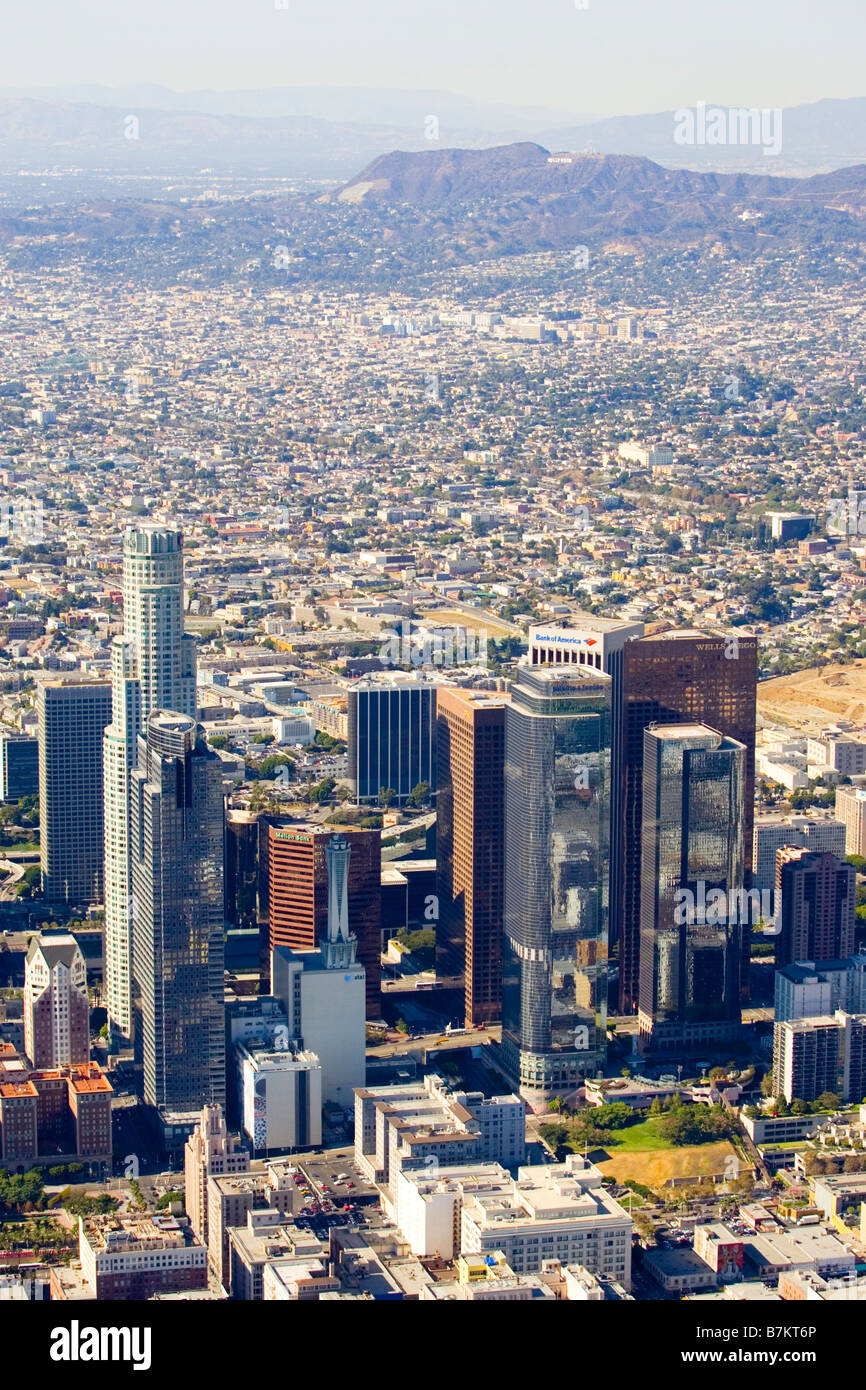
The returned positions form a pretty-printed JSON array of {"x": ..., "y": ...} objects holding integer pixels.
[
  {"x": 555, "y": 947},
  {"x": 176, "y": 843},
  {"x": 692, "y": 870}
]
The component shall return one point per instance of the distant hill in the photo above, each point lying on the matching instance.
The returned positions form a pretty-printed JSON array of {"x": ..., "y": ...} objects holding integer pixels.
[
  {"x": 407, "y": 215},
  {"x": 825, "y": 134},
  {"x": 328, "y": 132}
]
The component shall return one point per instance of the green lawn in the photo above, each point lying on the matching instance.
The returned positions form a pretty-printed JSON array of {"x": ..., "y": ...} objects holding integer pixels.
[{"x": 637, "y": 1138}]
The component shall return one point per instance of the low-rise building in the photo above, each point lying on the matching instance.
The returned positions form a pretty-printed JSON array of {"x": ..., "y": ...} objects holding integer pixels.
[
  {"x": 559, "y": 1212},
  {"x": 428, "y": 1126},
  {"x": 134, "y": 1259}
]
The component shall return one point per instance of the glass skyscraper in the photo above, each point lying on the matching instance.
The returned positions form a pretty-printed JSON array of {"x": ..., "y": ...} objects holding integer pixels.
[
  {"x": 178, "y": 953},
  {"x": 391, "y": 725},
  {"x": 152, "y": 668},
  {"x": 555, "y": 946},
  {"x": 692, "y": 906}
]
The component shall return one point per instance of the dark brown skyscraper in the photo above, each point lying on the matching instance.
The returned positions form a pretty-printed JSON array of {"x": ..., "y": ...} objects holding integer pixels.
[
  {"x": 817, "y": 897},
  {"x": 470, "y": 752},
  {"x": 298, "y": 894},
  {"x": 676, "y": 677}
]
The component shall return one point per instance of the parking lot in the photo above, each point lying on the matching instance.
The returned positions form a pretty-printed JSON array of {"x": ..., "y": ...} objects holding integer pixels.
[{"x": 334, "y": 1193}]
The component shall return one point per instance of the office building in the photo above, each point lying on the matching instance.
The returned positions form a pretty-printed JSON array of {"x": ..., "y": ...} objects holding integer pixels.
[
  {"x": 597, "y": 643},
  {"x": 692, "y": 904},
  {"x": 72, "y": 720},
  {"x": 391, "y": 721},
  {"x": 298, "y": 895},
  {"x": 676, "y": 677},
  {"x": 137, "y": 1257},
  {"x": 836, "y": 753},
  {"x": 52, "y": 1115},
  {"x": 425, "y": 1125},
  {"x": 19, "y": 766},
  {"x": 323, "y": 990},
  {"x": 790, "y": 526},
  {"x": 281, "y": 1098},
  {"x": 560, "y": 1212},
  {"x": 176, "y": 841},
  {"x": 808, "y": 988},
  {"x": 231, "y": 1196},
  {"x": 269, "y": 1244},
  {"x": 582, "y": 640},
  {"x": 246, "y": 873},
  {"x": 555, "y": 950},
  {"x": 817, "y": 899},
  {"x": 851, "y": 811},
  {"x": 776, "y": 832},
  {"x": 470, "y": 845},
  {"x": 210, "y": 1151},
  {"x": 814, "y": 1055},
  {"x": 152, "y": 668},
  {"x": 56, "y": 1004}
]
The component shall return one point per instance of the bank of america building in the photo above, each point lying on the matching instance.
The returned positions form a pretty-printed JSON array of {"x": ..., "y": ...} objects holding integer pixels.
[{"x": 555, "y": 949}]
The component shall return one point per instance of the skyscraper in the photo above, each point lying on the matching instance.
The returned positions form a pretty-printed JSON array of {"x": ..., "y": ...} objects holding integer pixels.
[
  {"x": 56, "y": 1006},
  {"x": 390, "y": 735},
  {"x": 599, "y": 643},
  {"x": 298, "y": 894},
  {"x": 322, "y": 989},
  {"x": 816, "y": 898},
  {"x": 557, "y": 767},
  {"x": 176, "y": 843},
  {"x": 470, "y": 844},
  {"x": 19, "y": 766},
  {"x": 152, "y": 668},
  {"x": 671, "y": 678},
  {"x": 691, "y": 887},
  {"x": 72, "y": 720}
]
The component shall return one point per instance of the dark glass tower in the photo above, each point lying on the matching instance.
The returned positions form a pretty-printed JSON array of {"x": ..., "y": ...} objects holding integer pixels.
[
  {"x": 672, "y": 678},
  {"x": 557, "y": 766},
  {"x": 176, "y": 844},
  {"x": 691, "y": 880},
  {"x": 390, "y": 737}
]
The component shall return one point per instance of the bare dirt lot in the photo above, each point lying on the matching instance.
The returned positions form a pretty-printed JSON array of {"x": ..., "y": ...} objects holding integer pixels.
[{"x": 810, "y": 700}]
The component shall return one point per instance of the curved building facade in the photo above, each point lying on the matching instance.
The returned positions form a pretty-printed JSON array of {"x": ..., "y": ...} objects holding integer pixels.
[{"x": 555, "y": 947}]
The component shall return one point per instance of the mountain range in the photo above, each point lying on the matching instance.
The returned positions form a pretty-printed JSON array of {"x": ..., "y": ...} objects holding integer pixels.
[{"x": 326, "y": 133}]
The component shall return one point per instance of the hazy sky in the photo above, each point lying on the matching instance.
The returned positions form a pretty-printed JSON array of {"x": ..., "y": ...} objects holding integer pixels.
[{"x": 614, "y": 56}]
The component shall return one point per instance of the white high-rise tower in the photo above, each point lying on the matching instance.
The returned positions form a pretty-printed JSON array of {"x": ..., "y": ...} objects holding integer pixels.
[
  {"x": 340, "y": 947},
  {"x": 152, "y": 668}
]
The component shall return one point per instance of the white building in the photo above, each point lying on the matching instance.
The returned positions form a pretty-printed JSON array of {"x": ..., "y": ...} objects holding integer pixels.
[
  {"x": 836, "y": 753},
  {"x": 560, "y": 1212},
  {"x": 646, "y": 457},
  {"x": 581, "y": 640},
  {"x": 427, "y": 1208},
  {"x": 776, "y": 832},
  {"x": 851, "y": 811},
  {"x": 134, "y": 1258},
  {"x": 324, "y": 991},
  {"x": 280, "y": 1097},
  {"x": 426, "y": 1126},
  {"x": 808, "y": 989}
]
